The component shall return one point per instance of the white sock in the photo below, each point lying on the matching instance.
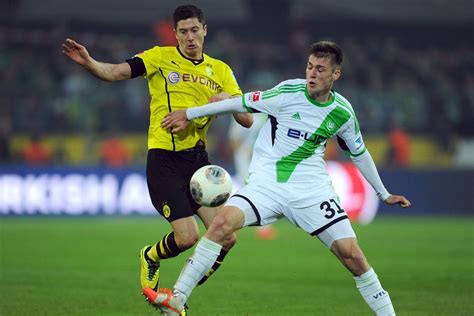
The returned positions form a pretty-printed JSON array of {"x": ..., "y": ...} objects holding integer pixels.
[
  {"x": 197, "y": 265},
  {"x": 374, "y": 295}
]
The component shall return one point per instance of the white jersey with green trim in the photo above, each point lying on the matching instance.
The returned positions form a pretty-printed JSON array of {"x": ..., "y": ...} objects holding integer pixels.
[{"x": 290, "y": 146}]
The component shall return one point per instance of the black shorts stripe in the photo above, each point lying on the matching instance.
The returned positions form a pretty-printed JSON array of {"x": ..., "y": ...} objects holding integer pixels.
[
  {"x": 320, "y": 230},
  {"x": 259, "y": 219}
]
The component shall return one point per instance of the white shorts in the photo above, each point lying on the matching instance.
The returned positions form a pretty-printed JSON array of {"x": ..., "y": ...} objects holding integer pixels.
[{"x": 316, "y": 209}]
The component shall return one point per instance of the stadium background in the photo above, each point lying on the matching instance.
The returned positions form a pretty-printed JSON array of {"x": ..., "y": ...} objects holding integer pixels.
[{"x": 408, "y": 72}]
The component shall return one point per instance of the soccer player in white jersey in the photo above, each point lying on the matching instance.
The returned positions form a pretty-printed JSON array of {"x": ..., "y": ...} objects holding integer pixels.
[{"x": 288, "y": 176}]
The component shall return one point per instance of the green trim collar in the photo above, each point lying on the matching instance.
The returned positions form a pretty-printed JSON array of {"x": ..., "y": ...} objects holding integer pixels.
[{"x": 313, "y": 101}]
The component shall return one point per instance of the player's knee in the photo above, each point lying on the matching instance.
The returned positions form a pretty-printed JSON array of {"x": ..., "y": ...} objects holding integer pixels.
[{"x": 221, "y": 227}]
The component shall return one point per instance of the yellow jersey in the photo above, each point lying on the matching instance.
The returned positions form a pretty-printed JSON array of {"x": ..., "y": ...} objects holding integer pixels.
[{"x": 177, "y": 82}]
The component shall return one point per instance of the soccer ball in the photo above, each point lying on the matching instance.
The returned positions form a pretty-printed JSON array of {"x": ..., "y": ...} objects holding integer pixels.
[{"x": 210, "y": 186}]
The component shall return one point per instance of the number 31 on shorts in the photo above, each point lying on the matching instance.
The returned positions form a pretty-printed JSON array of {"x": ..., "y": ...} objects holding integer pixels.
[{"x": 327, "y": 206}]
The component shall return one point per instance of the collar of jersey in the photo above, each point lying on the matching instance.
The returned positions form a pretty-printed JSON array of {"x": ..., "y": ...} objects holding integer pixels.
[
  {"x": 313, "y": 101},
  {"x": 194, "y": 61}
]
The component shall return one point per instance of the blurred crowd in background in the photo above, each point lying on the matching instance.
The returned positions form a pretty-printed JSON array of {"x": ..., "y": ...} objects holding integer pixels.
[{"x": 400, "y": 85}]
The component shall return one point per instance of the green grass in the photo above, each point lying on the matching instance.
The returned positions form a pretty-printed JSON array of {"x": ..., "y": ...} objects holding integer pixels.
[{"x": 89, "y": 266}]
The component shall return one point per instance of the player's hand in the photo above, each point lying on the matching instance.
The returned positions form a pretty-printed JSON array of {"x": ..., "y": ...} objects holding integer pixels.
[
  {"x": 398, "y": 199},
  {"x": 175, "y": 121},
  {"x": 76, "y": 52}
]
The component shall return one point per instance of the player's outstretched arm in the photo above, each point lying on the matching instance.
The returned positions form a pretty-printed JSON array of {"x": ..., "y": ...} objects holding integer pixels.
[
  {"x": 367, "y": 167},
  {"x": 244, "y": 119},
  {"x": 398, "y": 199},
  {"x": 176, "y": 121},
  {"x": 108, "y": 72}
]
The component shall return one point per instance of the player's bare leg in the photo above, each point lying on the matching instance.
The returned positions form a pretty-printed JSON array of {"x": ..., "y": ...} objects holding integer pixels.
[
  {"x": 207, "y": 250},
  {"x": 184, "y": 235},
  {"x": 207, "y": 214},
  {"x": 347, "y": 250}
]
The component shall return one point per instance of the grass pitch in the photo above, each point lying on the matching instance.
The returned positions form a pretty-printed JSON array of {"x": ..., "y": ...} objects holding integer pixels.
[{"x": 89, "y": 266}]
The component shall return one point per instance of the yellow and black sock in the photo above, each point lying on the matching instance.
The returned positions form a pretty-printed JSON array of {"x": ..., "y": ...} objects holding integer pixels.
[
  {"x": 165, "y": 248},
  {"x": 215, "y": 266}
]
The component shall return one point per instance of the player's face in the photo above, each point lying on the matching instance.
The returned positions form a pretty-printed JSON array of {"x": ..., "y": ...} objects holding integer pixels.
[
  {"x": 190, "y": 34},
  {"x": 320, "y": 76}
]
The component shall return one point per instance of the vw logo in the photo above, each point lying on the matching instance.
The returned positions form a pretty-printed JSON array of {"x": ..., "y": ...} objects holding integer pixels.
[{"x": 330, "y": 125}]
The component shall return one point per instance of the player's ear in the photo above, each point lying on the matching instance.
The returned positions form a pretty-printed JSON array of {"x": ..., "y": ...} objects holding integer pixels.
[
  {"x": 337, "y": 73},
  {"x": 204, "y": 27}
]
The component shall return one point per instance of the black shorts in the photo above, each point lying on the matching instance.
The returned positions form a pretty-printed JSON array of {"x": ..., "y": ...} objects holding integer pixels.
[{"x": 168, "y": 174}]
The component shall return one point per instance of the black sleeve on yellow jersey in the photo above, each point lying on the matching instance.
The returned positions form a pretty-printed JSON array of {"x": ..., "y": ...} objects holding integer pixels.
[{"x": 137, "y": 65}]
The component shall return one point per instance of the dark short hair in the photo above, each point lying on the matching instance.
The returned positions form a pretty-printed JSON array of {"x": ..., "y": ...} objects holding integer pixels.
[
  {"x": 184, "y": 12},
  {"x": 327, "y": 49}
]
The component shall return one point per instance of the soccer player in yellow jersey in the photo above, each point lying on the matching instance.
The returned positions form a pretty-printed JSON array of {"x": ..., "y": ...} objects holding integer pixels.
[{"x": 177, "y": 78}]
